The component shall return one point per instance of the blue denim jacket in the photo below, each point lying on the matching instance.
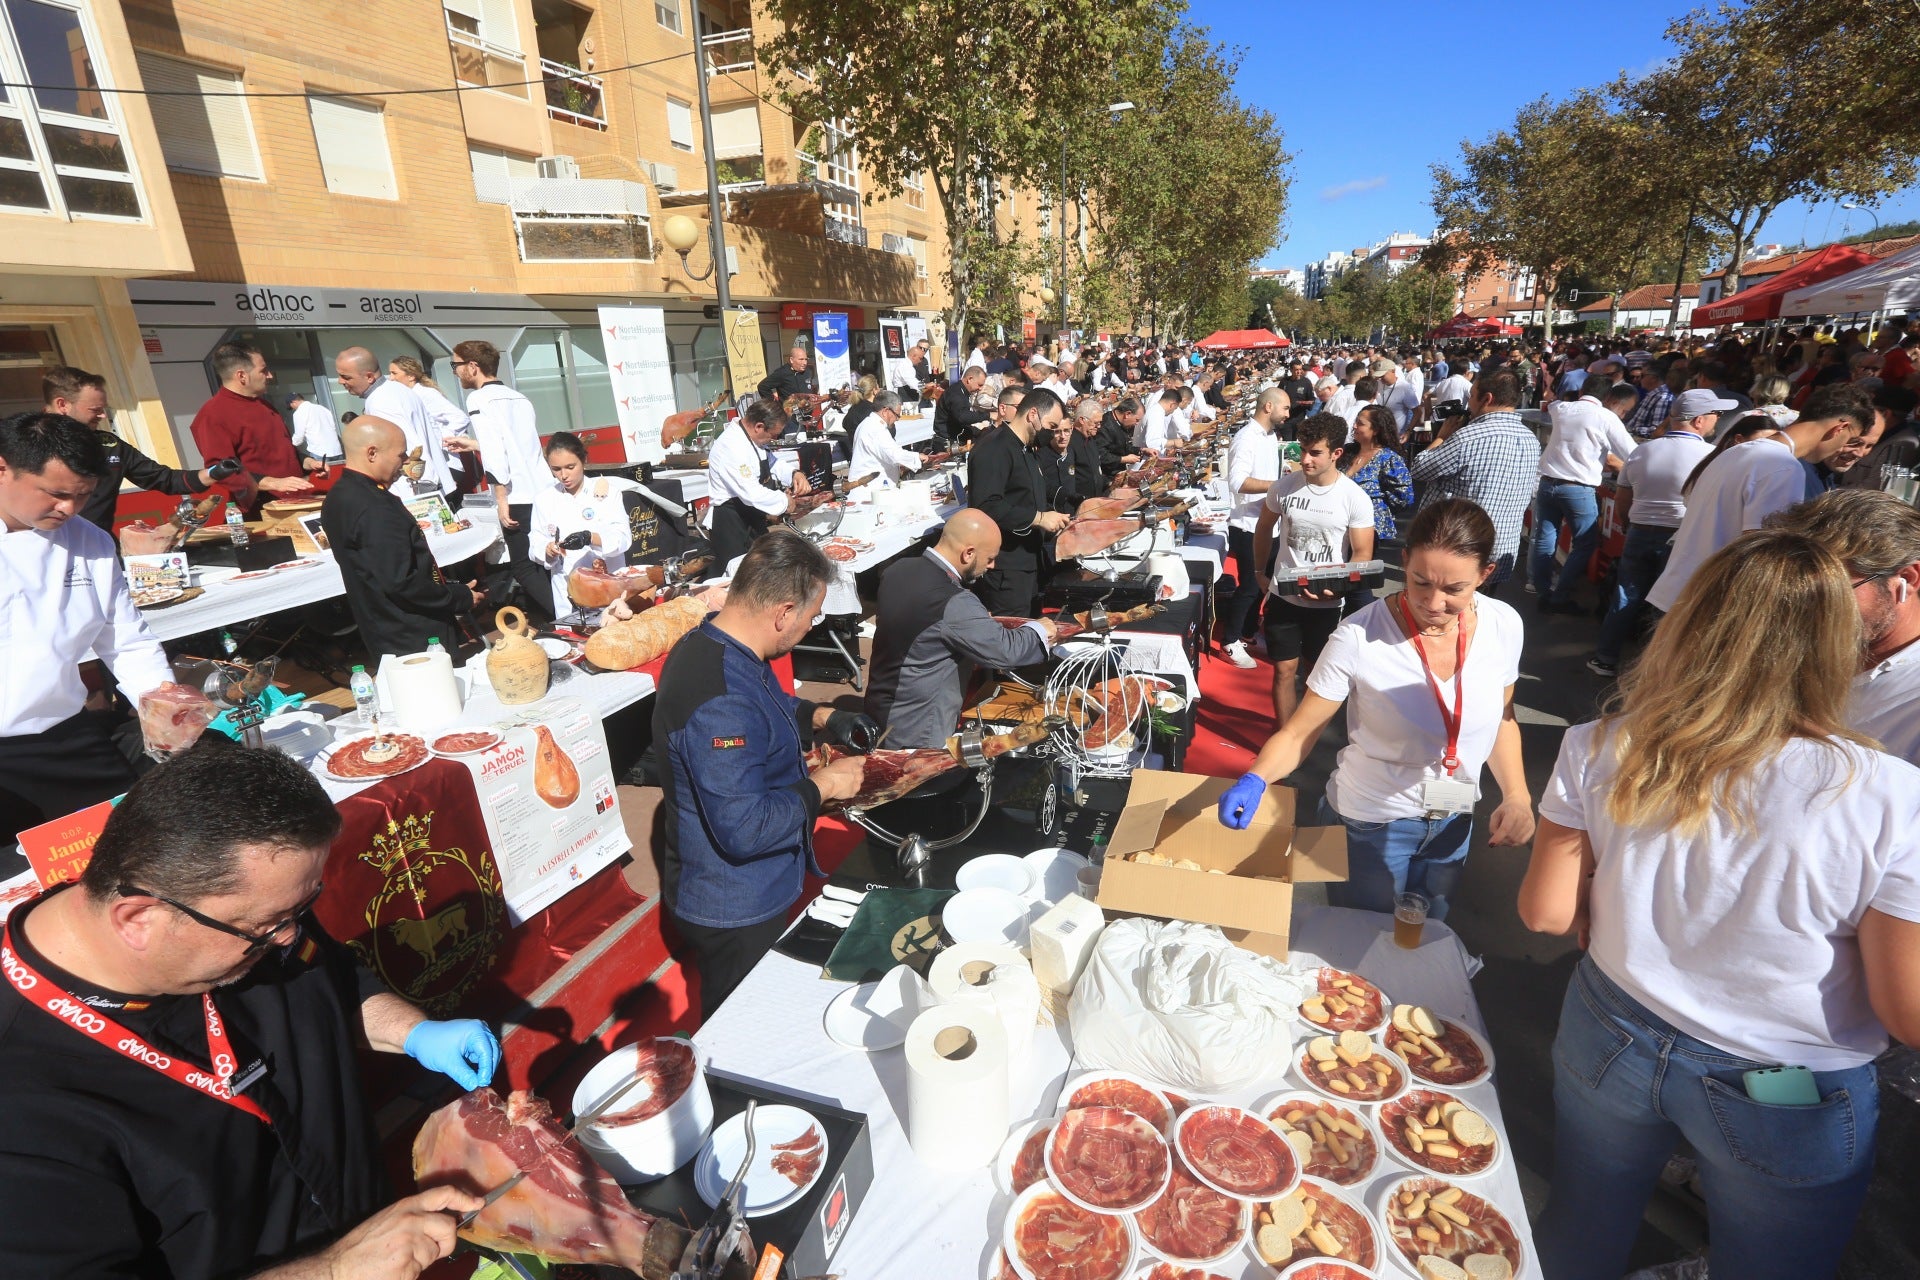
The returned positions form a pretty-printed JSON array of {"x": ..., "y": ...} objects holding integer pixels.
[{"x": 740, "y": 808}]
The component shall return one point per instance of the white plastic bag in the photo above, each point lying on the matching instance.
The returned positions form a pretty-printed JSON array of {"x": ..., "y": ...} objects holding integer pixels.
[{"x": 1179, "y": 1004}]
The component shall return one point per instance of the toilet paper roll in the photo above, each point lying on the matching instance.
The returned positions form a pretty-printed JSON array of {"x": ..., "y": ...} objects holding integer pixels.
[
  {"x": 995, "y": 976},
  {"x": 957, "y": 1086},
  {"x": 424, "y": 690}
]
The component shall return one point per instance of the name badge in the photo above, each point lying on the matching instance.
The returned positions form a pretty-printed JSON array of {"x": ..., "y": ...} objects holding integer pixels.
[
  {"x": 1443, "y": 796},
  {"x": 248, "y": 1076}
]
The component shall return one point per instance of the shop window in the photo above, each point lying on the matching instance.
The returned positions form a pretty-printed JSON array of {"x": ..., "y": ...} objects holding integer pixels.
[
  {"x": 540, "y": 374},
  {"x": 591, "y": 379},
  {"x": 710, "y": 364},
  {"x": 26, "y": 353}
]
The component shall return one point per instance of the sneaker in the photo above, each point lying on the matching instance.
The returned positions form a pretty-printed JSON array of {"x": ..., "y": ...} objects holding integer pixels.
[
  {"x": 1237, "y": 654},
  {"x": 1599, "y": 668}
]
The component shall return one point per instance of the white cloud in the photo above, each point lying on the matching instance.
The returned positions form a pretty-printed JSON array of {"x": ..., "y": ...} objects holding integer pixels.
[{"x": 1353, "y": 188}]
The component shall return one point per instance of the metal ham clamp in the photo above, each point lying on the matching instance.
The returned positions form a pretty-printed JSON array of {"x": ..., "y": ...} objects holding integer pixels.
[{"x": 725, "y": 1235}]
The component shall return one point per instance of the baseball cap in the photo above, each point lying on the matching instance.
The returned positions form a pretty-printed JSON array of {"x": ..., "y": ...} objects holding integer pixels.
[
  {"x": 1691, "y": 404},
  {"x": 1381, "y": 366},
  {"x": 1039, "y": 358}
]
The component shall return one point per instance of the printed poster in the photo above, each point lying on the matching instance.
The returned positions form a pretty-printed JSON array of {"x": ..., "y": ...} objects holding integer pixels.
[
  {"x": 641, "y": 373},
  {"x": 746, "y": 354},
  {"x": 895, "y": 372},
  {"x": 937, "y": 344},
  {"x": 830, "y": 351}
]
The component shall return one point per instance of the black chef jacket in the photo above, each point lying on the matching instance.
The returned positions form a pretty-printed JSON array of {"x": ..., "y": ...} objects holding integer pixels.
[
  {"x": 1004, "y": 480},
  {"x": 954, "y": 417},
  {"x": 1300, "y": 397},
  {"x": 111, "y": 1169},
  {"x": 1115, "y": 442},
  {"x": 786, "y": 381},
  {"x": 124, "y": 462},
  {"x": 398, "y": 597}
]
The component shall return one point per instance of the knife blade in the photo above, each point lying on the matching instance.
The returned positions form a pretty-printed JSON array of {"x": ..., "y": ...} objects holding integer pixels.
[{"x": 592, "y": 1113}]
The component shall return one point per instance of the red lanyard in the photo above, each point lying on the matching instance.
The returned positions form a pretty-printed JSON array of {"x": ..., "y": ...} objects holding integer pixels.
[
  {"x": 1452, "y": 722},
  {"x": 96, "y": 1026}
]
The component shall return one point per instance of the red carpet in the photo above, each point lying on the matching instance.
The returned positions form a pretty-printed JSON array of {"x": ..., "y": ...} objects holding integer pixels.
[{"x": 1235, "y": 717}]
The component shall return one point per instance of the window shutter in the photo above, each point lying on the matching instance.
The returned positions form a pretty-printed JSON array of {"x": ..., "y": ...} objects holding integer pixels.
[
  {"x": 200, "y": 134},
  {"x": 497, "y": 23},
  {"x": 736, "y": 132},
  {"x": 352, "y": 138},
  {"x": 468, "y": 9},
  {"x": 680, "y": 124}
]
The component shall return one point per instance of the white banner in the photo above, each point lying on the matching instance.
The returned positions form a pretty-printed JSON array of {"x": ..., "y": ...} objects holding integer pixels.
[
  {"x": 895, "y": 371},
  {"x": 642, "y": 376},
  {"x": 832, "y": 365}
]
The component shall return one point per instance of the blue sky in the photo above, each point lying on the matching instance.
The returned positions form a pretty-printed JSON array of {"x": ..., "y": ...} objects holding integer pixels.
[{"x": 1366, "y": 104}]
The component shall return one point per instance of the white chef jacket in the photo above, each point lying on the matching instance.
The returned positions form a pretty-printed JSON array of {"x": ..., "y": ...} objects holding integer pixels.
[
  {"x": 314, "y": 430},
  {"x": 442, "y": 412},
  {"x": 1180, "y": 423},
  {"x": 1201, "y": 411},
  {"x": 1584, "y": 433},
  {"x": 62, "y": 594},
  {"x": 1155, "y": 427},
  {"x": 397, "y": 404},
  {"x": 504, "y": 424},
  {"x": 733, "y": 471},
  {"x": 596, "y": 508},
  {"x": 1253, "y": 455},
  {"x": 1060, "y": 387},
  {"x": 875, "y": 450}
]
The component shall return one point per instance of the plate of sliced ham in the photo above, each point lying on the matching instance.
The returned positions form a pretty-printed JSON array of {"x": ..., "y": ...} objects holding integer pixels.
[
  {"x": 1108, "y": 1160},
  {"x": 1049, "y": 1237},
  {"x": 1236, "y": 1152},
  {"x": 789, "y": 1154},
  {"x": 1191, "y": 1223}
]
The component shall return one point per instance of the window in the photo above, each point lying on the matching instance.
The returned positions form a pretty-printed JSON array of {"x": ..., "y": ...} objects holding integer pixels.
[
  {"x": 211, "y": 134},
  {"x": 352, "y": 137},
  {"x": 540, "y": 374},
  {"x": 491, "y": 21},
  {"x": 594, "y": 385},
  {"x": 680, "y": 125},
  {"x": 918, "y": 247},
  {"x": 667, "y": 14},
  {"x": 64, "y": 127},
  {"x": 736, "y": 132},
  {"x": 494, "y": 172},
  {"x": 916, "y": 188}
]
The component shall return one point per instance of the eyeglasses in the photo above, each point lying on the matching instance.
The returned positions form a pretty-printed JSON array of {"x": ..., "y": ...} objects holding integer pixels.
[
  {"x": 1873, "y": 577},
  {"x": 284, "y": 934}
]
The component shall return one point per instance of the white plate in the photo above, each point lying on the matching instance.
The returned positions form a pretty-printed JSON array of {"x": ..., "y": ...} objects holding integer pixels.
[
  {"x": 996, "y": 871},
  {"x": 1010, "y": 1152},
  {"x": 763, "y": 1191},
  {"x": 1387, "y": 1188},
  {"x": 1479, "y": 1042},
  {"x": 1304, "y": 1266},
  {"x": 1300, "y": 1074},
  {"x": 555, "y": 649},
  {"x": 1198, "y": 1111},
  {"x": 1010, "y": 1233},
  {"x": 1144, "y": 1126},
  {"x": 326, "y": 761},
  {"x": 1321, "y": 1028},
  {"x": 1183, "y": 1265},
  {"x": 1163, "y": 1122},
  {"x": 871, "y": 1016},
  {"x": 1344, "y": 1197},
  {"x": 1361, "y": 1113},
  {"x": 986, "y": 915},
  {"x": 1056, "y": 873},
  {"x": 1382, "y": 1120},
  {"x": 498, "y": 738}
]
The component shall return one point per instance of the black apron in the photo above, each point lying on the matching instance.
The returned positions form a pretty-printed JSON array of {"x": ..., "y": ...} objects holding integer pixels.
[{"x": 736, "y": 523}]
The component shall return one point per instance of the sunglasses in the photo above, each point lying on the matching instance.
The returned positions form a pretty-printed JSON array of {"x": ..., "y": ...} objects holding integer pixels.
[{"x": 284, "y": 934}]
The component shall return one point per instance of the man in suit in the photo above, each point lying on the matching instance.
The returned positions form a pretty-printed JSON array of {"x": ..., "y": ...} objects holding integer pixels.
[
  {"x": 1004, "y": 479},
  {"x": 955, "y": 420},
  {"x": 1115, "y": 440}
]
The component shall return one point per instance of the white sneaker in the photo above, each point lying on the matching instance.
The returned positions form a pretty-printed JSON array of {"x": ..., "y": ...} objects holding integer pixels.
[{"x": 1237, "y": 654}]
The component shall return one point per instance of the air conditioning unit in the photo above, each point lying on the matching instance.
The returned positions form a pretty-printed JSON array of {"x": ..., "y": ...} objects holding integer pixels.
[
  {"x": 665, "y": 177},
  {"x": 556, "y": 167},
  {"x": 891, "y": 243}
]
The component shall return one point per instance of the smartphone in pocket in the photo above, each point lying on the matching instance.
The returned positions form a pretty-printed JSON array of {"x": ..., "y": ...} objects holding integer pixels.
[{"x": 1783, "y": 1086}]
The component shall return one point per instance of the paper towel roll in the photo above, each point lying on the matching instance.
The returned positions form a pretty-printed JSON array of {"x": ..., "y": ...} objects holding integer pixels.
[
  {"x": 957, "y": 1086},
  {"x": 995, "y": 976},
  {"x": 424, "y": 690}
]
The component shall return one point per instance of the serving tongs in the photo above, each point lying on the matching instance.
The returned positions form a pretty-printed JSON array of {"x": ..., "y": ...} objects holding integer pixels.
[{"x": 725, "y": 1234}]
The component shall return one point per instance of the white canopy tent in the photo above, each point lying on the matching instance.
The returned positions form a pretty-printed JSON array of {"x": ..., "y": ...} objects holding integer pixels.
[{"x": 1891, "y": 284}]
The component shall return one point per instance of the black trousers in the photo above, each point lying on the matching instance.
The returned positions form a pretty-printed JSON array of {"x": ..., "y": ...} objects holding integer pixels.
[
  {"x": 52, "y": 773},
  {"x": 735, "y": 527},
  {"x": 724, "y": 957},
  {"x": 1241, "y": 617},
  {"x": 535, "y": 584},
  {"x": 1010, "y": 593}
]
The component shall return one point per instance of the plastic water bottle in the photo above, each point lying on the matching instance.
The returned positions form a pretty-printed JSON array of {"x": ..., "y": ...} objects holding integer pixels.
[
  {"x": 434, "y": 645},
  {"x": 236, "y": 525},
  {"x": 365, "y": 696}
]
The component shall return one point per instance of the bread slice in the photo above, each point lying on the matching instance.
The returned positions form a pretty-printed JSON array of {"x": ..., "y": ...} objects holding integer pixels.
[
  {"x": 1320, "y": 1049},
  {"x": 1400, "y": 1023},
  {"x": 1357, "y": 1045},
  {"x": 1432, "y": 1267},
  {"x": 1470, "y": 1128},
  {"x": 1423, "y": 1021},
  {"x": 1488, "y": 1266}
]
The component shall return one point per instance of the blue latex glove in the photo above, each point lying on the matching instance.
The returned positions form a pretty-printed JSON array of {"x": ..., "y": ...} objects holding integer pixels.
[
  {"x": 464, "y": 1050},
  {"x": 1240, "y": 800}
]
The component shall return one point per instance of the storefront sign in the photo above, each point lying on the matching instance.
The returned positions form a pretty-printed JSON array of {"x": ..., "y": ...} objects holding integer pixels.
[
  {"x": 642, "y": 376},
  {"x": 830, "y": 351},
  {"x": 793, "y": 315},
  {"x": 746, "y": 354},
  {"x": 308, "y": 308}
]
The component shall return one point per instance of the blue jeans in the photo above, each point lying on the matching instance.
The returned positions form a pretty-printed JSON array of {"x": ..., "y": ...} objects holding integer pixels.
[
  {"x": 1387, "y": 859},
  {"x": 1783, "y": 1184},
  {"x": 1561, "y": 502},
  {"x": 1641, "y": 563}
]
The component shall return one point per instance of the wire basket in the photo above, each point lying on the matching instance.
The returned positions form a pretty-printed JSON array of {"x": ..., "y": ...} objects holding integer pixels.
[{"x": 1103, "y": 701}]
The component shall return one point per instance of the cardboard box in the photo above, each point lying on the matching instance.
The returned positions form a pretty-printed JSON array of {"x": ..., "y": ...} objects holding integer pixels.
[{"x": 1175, "y": 815}]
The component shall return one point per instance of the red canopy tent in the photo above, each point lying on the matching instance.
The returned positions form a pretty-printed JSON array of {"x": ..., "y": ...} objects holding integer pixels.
[
  {"x": 1762, "y": 302},
  {"x": 1466, "y": 326},
  {"x": 1242, "y": 340}
]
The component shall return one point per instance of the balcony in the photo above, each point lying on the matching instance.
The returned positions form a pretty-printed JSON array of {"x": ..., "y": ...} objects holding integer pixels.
[
  {"x": 478, "y": 61},
  {"x": 581, "y": 220},
  {"x": 727, "y": 52},
  {"x": 573, "y": 96},
  {"x": 845, "y": 232}
]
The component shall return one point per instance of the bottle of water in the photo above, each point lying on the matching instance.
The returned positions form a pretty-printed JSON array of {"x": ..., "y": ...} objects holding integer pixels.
[
  {"x": 236, "y": 525},
  {"x": 365, "y": 696},
  {"x": 434, "y": 645}
]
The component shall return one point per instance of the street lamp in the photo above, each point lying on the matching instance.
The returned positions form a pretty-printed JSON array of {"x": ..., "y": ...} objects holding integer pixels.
[
  {"x": 1855, "y": 204},
  {"x": 682, "y": 233}
]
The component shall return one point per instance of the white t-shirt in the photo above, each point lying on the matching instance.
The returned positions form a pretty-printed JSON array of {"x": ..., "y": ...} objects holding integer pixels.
[
  {"x": 1395, "y": 735},
  {"x": 1744, "y": 486},
  {"x": 1253, "y": 455},
  {"x": 1451, "y": 387},
  {"x": 1656, "y": 471},
  {"x": 1315, "y": 527},
  {"x": 1749, "y": 940},
  {"x": 1584, "y": 433},
  {"x": 1886, "y": 704}
]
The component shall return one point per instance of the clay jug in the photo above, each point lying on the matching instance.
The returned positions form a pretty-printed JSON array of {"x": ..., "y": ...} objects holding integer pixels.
[{"x": 516, "y": 665}]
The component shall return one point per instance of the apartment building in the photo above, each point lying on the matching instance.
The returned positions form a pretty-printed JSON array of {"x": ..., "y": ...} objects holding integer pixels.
[
  {"x": 332, "y": 192},
  {"x": 85, "y": 206}
]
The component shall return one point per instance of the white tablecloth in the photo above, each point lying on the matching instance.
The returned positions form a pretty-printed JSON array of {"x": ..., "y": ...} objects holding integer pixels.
[
  {"x": 922, "y": 1223},
  {"x": 229, "y": 601}
]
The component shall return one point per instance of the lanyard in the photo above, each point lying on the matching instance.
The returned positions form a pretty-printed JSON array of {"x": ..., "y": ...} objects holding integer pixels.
[
  {"x": 96, "y": 1026},
  {"x": 1452, "y": 722}
]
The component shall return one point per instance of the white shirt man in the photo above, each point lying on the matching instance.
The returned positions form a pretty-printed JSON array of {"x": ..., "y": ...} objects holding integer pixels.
[
  {"x": 315, "y": 430},
  {"x": 734, "y": 467},
  {"x": 876, "y": 452},
  {"x": 1454, "y": 386},
  {"x": 1156, "y": 426},
  {"x": 508, "y": 431},
  {"x": 399, "y": 405},
  {"x": 1415, "y": 380},
  {"x": 1393, "y": 395},
  {"x": 1254, "y": 455},
  {"x": 1584, "y": 433},
  {"x": 1656, "y": 473}
]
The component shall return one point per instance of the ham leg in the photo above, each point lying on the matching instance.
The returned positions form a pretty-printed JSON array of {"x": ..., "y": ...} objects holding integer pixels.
[
  {"x": 1088, "y": 537},
  {"x": 890, "y": 774}
]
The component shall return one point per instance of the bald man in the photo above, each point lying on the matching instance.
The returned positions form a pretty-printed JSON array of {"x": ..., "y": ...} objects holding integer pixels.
[
  {"x": 930, "y": 632},
  {"x": 359, "y": 372},
  {"x": 398, "y": 598}
]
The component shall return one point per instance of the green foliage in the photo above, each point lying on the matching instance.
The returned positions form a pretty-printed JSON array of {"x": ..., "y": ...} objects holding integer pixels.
[
  {"x": 999, "y": 268},
  {"x": 1887, "y": 232}
]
